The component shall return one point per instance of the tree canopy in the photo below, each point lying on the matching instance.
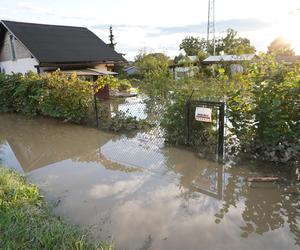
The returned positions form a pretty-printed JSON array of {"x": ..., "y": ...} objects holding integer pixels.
[
  {"x": 281, "y": 47},
  {"x": 193, "y": 45},
  {"x": 231, "y": 43},
  {"x": 112, "y": 43},
  {"x": 154, "y": 69},
  {"x": 152, "y": 63}
]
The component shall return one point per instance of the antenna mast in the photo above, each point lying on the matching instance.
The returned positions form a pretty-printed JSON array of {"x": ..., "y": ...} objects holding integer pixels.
[{"x": 211, "y": 39}]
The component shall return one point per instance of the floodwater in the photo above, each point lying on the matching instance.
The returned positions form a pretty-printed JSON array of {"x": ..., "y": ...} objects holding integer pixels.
[{"x": 141, "y": 195}]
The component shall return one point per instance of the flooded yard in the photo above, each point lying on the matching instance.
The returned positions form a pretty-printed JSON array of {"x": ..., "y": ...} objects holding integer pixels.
[{"x": 141, "y": 194}]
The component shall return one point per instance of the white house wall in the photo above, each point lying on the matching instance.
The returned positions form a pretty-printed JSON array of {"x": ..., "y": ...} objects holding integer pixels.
[
  {"x": 23, "y": 62},
  {"x": 22, "y": 65}
]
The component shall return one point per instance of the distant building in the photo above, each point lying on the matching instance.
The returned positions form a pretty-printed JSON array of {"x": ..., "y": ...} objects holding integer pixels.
[
  {"x": 186, "y": 66},
  {"x": 131, "y": 70},
  {"x": 42, "y": 48},
  {"x": 228, "y": 58},
  {"x": 234, "y": 61}
]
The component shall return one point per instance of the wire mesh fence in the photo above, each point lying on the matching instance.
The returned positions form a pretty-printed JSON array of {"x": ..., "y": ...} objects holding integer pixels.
[{"x": 146, "y": 122}]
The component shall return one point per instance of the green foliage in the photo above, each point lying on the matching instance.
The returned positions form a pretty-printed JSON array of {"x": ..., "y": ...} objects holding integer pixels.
[
  {"x": 26, "y": 221},
  {"x": 124, "y": 84},
  {"x": 232, "y": 44},
  {"x": 174, "y": 120},
  {"x": 154, "y": 68},
  {"x": 280, "y": 47},
  {"x": 64, "y": 96},
  {"x": 265, "y": 111},
  {"x": 57, "y": 95},
  {"x": 193, "y": 45},
  {"x": 8, "y": 86},
  {"x": 111, "y": 81},
  {"x": 54, "y": 94}
]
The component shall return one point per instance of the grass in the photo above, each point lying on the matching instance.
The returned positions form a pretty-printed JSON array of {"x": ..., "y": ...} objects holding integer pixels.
[{"x": 26, "y": 221}]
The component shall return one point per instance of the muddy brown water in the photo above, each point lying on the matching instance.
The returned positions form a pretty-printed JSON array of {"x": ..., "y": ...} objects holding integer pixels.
[{"x": 142, "y": 195}]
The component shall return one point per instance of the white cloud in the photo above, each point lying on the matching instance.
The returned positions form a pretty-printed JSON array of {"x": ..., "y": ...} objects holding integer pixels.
[{"x": 161, "y": 25}]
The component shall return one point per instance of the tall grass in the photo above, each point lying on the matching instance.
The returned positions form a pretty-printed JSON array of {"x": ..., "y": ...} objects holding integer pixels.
[{"x": 26, "y": 221}]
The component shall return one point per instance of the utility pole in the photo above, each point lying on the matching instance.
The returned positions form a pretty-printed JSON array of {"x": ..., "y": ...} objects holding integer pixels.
[{"x": 211, "y": 39}]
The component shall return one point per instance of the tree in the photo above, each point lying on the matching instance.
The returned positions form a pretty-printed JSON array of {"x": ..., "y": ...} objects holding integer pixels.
[
  {"x": 152, "y": 63},
  {"x": 280, "y": 47},
  {"x": 231, "y": 44},
  {"x": 193, "y": 45},
  {"x": 154, "y": 69},
  {"x": 112, "y": 43}
]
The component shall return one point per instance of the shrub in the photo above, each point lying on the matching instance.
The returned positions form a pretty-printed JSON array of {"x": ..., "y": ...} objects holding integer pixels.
[
  {"x": 265, "y": 112},
  {"x": 65, "y": 96},
  {"x": 8, "y": 85},
  {"x": 56, "y": 95},
  {"x": 174, "y": 119},
  {"x": 124, "y": 85},
  {"x": 154, "y": 70}
]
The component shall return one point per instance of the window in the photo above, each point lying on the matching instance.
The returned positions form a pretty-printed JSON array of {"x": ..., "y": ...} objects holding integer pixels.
[{"x": 12, "y": 46}]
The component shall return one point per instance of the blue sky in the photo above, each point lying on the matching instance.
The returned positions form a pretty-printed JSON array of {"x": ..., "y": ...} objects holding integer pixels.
[{"x": 160, "y": 25}]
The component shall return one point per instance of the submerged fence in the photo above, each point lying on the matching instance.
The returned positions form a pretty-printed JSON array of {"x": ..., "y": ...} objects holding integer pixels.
[
  {"x": 149, "y": 120},
  {"x": 205, "y": 126}
]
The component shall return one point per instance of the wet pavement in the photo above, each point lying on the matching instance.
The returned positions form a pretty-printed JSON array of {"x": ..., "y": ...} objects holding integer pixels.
[{"x": 139, "y": 194}]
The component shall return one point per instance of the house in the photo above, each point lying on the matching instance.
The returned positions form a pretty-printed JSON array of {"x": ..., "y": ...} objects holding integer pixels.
[
  {"x": 131, "y": 70},
  {"x": 187, "y": 66},
  {"x": 234, "y": 61},
  {"x": 42, "y": 48}
]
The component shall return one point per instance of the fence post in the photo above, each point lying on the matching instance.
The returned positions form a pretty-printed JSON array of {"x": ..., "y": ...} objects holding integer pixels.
[
  {"x": 96, "y": 109},
  {"x": 221, "y": 131},
  {"x": 188, "y": 122},
  {"x": 188, "y": 108}
]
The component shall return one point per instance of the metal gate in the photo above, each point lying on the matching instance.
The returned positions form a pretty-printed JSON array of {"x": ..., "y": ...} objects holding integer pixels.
[{"x": 206, "y": 131}]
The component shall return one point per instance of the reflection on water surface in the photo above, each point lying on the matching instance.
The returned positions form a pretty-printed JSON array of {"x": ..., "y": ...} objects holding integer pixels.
[{"x": 147, "y": 196}]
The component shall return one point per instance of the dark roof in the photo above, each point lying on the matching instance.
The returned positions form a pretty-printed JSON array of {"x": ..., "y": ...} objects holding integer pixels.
[
  {"x": 62, "y": 44},
  {"x": 228, "y": 58}
]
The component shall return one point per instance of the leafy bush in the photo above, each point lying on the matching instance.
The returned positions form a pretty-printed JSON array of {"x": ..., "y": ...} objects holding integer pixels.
[
  {"x": 154, "y": 70},
  {"x": 124, "y": 84},
  {"x": 8, "y": 85},
  {"x": 56, "y": 95},
  {"x": 174, "y": 119},
  {"x": 265, "y": 112},
  {"x": 65, "y": 96}
]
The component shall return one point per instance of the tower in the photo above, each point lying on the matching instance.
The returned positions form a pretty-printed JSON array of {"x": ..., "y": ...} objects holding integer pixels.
[{"x": 211, "y": 26}]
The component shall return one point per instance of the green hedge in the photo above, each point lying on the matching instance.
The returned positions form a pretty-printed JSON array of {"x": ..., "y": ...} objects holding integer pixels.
[
  {"x": 265, "y": 110},
  {"x": 56, "y": 95}
]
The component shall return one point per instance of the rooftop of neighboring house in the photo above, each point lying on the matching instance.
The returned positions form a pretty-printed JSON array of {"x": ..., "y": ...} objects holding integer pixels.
[
  {"x": 228, "y": 58},
  {"x": 61, "y": 44}
]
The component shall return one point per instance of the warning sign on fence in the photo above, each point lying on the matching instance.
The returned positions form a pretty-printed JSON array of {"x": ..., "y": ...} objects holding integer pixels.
[{"x": 203, "y": 114}]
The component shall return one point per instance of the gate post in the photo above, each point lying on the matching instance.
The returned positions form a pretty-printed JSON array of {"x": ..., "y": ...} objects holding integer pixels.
[{"x": 221, "y": 130}]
